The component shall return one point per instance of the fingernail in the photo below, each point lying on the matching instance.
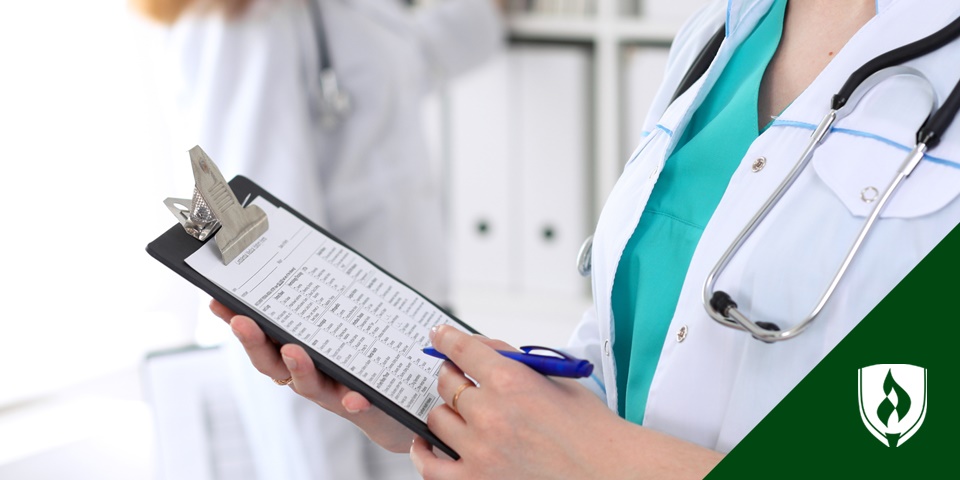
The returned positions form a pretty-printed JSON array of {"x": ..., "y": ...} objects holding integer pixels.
[
  {"x": 417, "y": 461},
  {"x": 351, "y": 410},
  {"x": 434, "y": 330},
  {"x": 289, "y": 362}
]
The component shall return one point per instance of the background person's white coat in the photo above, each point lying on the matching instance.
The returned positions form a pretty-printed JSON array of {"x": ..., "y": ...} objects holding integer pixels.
[{"x": 242, "y": 93}]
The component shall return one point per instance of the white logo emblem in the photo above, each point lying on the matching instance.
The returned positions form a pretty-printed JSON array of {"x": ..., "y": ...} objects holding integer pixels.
[{"x": 893, "y": 401}]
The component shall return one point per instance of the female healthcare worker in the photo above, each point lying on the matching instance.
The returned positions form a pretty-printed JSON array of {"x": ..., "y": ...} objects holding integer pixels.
[
  {"x": 246, "y": 88},
  {"x": 690, "y": 388}
]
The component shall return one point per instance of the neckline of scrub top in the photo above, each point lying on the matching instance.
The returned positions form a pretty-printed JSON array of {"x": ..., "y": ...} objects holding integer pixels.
[{"x": 654, "y": 262}]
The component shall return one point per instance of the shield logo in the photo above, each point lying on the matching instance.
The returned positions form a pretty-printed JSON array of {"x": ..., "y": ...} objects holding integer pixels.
[{"x": 893, "y": 401}]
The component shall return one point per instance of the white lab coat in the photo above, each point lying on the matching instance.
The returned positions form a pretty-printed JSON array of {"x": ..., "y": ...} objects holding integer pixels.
[
  {"x": 241, "y": 93},
  {"x": 716, "y": 384}
]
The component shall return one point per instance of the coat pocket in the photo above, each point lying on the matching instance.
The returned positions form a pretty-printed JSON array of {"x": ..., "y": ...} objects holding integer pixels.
[{"x": 864, "y": 150}]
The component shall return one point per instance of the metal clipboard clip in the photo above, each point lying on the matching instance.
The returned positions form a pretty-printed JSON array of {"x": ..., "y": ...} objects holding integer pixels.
[{"x": 214, "y": 208}]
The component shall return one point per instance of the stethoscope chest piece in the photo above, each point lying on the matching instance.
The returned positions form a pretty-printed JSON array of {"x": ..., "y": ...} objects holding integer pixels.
[
  {"x": 584, "y": 264},
  {"x": 332, "y": 104}
]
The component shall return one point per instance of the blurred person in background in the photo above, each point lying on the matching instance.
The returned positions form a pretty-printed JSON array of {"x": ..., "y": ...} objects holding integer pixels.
[{"x": 320, "y": 102}]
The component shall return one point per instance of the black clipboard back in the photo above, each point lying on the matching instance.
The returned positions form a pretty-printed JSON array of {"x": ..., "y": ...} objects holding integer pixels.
[{"x": 174, "y": 246}]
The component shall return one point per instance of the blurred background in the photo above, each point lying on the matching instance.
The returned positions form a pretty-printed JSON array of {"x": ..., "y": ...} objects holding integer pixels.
[{"x": 90, "y": 156}]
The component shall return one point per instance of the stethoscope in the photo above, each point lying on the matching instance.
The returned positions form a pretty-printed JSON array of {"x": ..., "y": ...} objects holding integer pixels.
[
  {"x": 329, "y": 103},
  {"x": 718, "y": 304}
]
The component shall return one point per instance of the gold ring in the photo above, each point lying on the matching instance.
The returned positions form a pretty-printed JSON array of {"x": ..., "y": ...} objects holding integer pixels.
[
  {"x": 456, "y": 395},
  {"x": 283, "y": 382}
]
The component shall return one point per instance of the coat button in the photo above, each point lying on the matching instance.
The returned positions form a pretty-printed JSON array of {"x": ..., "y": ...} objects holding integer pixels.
[
  {"x": 682, "y": 334},
  {"x": 869, "y": 194},
  {"x": 758, "y": 164},
  {"x": 606, "y": 347}
]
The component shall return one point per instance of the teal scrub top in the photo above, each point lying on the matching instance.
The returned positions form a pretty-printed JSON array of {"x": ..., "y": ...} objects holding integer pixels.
[{"x": 655, "y": 261}]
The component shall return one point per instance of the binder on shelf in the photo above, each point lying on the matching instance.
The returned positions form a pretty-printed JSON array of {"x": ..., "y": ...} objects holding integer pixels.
[
  {"x": 520, "y": 154},
  {"x": 674, "y": 10},
  {"x": 551, "y": 91},
  {"x": 644, "y": 68},
  {"x": 482, "y": 190}
]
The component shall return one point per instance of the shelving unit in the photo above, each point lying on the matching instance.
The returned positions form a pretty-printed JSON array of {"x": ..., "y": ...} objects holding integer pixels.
[
  {"x": 607, "y": 27},
  {"x": 567, "y": 70}
]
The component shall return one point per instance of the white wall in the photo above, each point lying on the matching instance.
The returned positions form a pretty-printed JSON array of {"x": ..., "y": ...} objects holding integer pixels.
[
  {"x": 86, "y": 169},
  {"x": 87, "y": 164}
]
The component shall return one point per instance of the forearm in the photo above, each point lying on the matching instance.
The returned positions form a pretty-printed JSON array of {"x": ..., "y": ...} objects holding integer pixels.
[{"x": 645, "y": 453}]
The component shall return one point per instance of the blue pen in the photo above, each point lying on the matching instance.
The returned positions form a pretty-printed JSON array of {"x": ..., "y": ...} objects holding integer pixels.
[{"x": 566, "y": 366}]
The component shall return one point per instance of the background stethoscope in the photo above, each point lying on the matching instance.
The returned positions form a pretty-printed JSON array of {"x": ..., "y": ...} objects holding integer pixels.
[
  {"x": 718, "y": 304},
  {"x": 329, "y": 103}
]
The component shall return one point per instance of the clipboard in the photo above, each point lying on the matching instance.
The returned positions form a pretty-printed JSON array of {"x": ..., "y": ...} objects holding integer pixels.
[{"x": 174, "y": 246}]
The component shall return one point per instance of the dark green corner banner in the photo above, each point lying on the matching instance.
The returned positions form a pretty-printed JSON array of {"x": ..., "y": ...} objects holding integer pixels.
[{"x": 832, "y": 423}]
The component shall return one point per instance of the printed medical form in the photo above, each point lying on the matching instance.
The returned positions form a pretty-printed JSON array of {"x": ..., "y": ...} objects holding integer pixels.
[{"x": 338, "y": 303}]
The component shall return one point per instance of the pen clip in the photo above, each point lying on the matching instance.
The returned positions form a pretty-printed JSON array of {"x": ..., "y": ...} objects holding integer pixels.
[{"x": 529, "y": 348}]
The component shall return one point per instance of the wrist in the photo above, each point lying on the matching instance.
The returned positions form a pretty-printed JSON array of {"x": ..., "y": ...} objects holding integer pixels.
[{"x": 652, "y": 454}]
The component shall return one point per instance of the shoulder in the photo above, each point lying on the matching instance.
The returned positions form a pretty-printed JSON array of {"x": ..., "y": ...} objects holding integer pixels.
[
  {"x": 690, "y": 40},
  {"x": 212, "y": 28},
  {"x": 211, "y": 43},
  {"x": 696, "y": 32}
]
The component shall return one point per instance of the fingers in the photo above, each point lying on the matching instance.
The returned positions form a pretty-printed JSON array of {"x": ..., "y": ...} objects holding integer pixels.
[
  {"x": 353, "y": 402},
  {"x": 469, "y": 353},
  {"x": 496, "y": 344},
  {"x": 452, "y": 385},
  {"x": 428, "y": 464},
  {"x": 449, "y": 426},
  {"x": 262, "y": 352},
  {"x": 445, "y": 420},
  {"x": 308, "y": 381},
  {"x": 221, "y": 311},
  {"x": 292, "y": 361}
]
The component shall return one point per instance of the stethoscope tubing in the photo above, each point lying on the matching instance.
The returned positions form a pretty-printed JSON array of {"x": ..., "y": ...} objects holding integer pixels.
[
  {"x": 930, "y": 132},
  {"x": 718, "y": 304},
  {"x": 721, "y": 307},
  {"x": 721, "y": 311}
]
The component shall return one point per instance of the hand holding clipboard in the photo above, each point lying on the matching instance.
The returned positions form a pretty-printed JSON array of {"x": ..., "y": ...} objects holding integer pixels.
[{"x": 340, "y": 313}]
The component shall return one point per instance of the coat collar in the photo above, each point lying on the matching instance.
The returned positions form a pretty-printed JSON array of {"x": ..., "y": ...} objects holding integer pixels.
[{"x": 740, "y": 12}]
